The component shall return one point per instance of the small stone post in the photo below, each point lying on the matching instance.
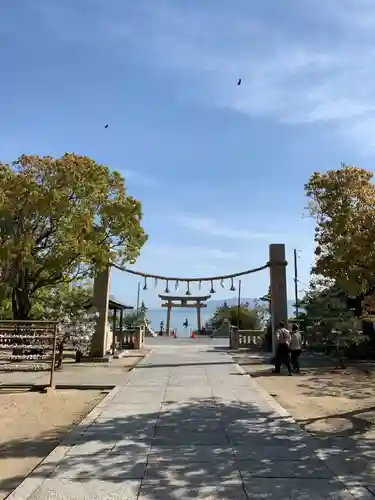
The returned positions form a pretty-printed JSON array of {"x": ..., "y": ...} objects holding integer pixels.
[
  {"x": 279, "y": 304},
  {"x": 138, "y": 334},
  {"x": 234, "y": 342}
]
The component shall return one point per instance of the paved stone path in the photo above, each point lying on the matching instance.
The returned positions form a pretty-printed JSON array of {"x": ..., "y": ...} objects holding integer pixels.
[{"x": 187, "y": 425}]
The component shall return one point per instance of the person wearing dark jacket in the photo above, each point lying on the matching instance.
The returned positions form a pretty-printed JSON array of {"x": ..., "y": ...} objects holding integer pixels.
[{"x": 283, "y": 339}]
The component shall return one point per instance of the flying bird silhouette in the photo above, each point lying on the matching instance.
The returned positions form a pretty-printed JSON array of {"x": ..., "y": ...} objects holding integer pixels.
[
  {"x": 105, "y": 126},
  {"x": 239, "y": 81}
]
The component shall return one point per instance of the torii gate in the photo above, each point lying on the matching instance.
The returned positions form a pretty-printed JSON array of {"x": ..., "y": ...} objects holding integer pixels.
[
  {"x": 183, "y": 301},
  {"x": 279, "y": 307}
]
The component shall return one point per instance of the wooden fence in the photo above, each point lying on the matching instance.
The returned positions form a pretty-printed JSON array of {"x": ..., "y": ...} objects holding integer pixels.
[{"x": 28, "y": 346}]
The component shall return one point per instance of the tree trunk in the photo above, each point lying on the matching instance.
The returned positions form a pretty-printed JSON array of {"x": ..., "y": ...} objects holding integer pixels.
[
  {"x": 355, "y": 304},
  {"x": 21, "y": 304}
]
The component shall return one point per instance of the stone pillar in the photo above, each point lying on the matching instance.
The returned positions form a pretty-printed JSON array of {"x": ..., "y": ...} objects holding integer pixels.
[
  {"x": 169, "y": 310},
  {"x": 234, "y": 338},
  {"x": 279, "y": 301},
  {"x": 100, "y": 302},
  {"x": 114, "y": 326},
  {"x": 121, "y": 321},
  {"x": 138, "y": 341},
  {"x": 199, "y": 322}
]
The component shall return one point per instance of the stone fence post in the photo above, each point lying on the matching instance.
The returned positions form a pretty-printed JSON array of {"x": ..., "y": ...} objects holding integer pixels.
[
  {"x": 139, "y": 337},
  {"x": 234, "y": 338}
]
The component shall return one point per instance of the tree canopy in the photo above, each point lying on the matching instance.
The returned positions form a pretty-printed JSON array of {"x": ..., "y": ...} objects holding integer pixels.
[
  {"x": 135, "y": 318},
  {"x": 342, "y": 202},
  {"x": 249, "y": 319},
  {"x": 53, "y": 303},
  {"x": 61, "y": 220},
  {"x": 325, "y": 309}
]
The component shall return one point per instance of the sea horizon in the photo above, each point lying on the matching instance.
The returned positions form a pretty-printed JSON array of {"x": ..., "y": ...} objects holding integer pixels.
[{"x": 178, "y": 317}]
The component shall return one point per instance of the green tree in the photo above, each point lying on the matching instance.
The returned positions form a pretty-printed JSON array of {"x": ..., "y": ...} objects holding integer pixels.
[
  {"x": 249, "y": 319},
  {"x": 342, "y": 203},
  {"x": 64, "y": 298},
  {"x": 5, "y": 307},
  {"x": 61, "y": 220},
  {"x": 327, "y": 320},
  {"x": 325, "y": 308},
  {"x": 53, "y": 302}
]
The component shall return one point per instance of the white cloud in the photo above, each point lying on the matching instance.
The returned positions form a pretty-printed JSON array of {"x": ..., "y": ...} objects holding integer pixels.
[
  {"x": 311, "y": 62},
  {"x": 214, "y": 227},
  {"x": 295, "y": 79}
]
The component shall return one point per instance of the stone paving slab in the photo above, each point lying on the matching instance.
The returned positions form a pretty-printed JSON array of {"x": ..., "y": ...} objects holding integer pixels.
[
  {"x": 190, "y": 453},
  {"x": 186, "y": 425},
  {"x": 208, "y": 438},
  {"x": 296, "y": 489},
  {"x": 104, "y": 466},
  {"x": 150, "y": 491},
  {"x": 191, "y": 473},
  {"x": 89, "y": 448},
  {"x": 95, "y": 489},
  {"x": 298, "y": 452},
  {"x": 272, "y": 467}
]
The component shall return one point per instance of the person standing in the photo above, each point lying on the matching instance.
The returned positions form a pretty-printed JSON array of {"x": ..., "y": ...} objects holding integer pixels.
[
  {"x": 295, "y": 348},
  {"x": 283, "y": 338}
]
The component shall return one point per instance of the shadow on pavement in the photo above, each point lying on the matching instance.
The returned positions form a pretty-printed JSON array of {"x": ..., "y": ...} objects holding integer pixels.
[{"x": 193, "y": 449}]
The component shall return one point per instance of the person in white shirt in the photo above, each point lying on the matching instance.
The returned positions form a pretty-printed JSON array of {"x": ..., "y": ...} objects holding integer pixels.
[
  {"x": 295, "y": 348},
  {"x": 283, "y": 338}
]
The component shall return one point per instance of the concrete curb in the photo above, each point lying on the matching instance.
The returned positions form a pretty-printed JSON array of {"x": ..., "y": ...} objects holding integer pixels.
[{"x": 36, "y": 477}]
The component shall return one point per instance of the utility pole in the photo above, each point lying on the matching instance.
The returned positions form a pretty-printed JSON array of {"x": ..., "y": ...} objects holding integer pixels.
[
  {"x": 138, "y": 292},
  {"x": 239, "y": 305},
  {"x": 296, "y": 284}
]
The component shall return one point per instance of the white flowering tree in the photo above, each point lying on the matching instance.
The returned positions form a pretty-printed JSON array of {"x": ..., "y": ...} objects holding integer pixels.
[
  {"x": 75, "y": 331},
  {"x": 76, "y": 323}
]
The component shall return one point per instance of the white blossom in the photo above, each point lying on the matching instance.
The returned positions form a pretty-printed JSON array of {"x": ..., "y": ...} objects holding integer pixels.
[{"x": 77, "y": 329}]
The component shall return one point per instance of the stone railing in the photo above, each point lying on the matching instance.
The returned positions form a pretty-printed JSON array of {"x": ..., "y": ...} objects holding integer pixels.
[
  {"x": 245, "y": 338},
  {"x": 249, "y": 338},
  {"x": 132, "y": 338}
]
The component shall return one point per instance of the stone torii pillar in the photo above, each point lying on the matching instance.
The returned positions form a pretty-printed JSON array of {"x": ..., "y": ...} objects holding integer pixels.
[
  {"x": 199, "y": 321},
  {"x": 279, "y": 301},
  {"x": 100, "y": 302},
  {"x": 169, "y": 311}
]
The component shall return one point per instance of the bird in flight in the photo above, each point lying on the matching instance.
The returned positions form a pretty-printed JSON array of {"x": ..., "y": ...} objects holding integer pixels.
[
  {"x": 105, "y": 126},
  {"x": 239, "y": 81}
]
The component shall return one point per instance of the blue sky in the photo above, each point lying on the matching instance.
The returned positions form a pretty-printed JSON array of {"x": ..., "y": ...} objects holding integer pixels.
[{"x": 220, "y": 169}]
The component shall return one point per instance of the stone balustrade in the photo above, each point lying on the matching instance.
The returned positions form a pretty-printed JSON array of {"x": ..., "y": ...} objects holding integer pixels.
[{"x": 245, "y": 338}]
